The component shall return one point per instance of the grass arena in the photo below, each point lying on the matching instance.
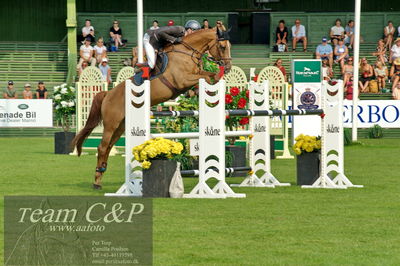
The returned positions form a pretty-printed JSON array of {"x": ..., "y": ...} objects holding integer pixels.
[{"x": 207, "y": 157}]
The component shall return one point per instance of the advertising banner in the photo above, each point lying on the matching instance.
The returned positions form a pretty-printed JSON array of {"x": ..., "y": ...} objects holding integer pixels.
[
  {"x": 26, "y": 113},
  {"x": 306, "y": 95}
]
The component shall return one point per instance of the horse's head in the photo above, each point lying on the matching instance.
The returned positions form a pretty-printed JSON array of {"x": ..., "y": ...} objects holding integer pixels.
[{"x": 220, "y": 50}]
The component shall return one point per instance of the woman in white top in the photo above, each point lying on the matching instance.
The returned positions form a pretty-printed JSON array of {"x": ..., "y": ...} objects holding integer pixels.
[
  {"x": 100, "y": 51},
  {"x": 388, "y": 33},
  {"x": 88, "y": 31},
  {"x": 337, "y": 32},
  {"x": 155, "y": 25}
]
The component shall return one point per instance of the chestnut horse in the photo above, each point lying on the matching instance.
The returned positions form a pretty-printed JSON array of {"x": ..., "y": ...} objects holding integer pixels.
[{"x": 183, "y": 71}]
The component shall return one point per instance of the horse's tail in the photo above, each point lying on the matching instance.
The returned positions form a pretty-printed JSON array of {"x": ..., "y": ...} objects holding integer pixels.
[{"x": 93, "y": 120}]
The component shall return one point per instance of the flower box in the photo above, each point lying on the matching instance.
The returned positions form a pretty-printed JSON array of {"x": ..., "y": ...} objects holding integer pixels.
[
  {"x": 157, "y": 178},
  {"x": 308, "y": 167}
]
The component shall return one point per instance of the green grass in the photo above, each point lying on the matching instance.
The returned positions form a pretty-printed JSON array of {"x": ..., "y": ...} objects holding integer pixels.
[{"x": 281, "y": 226}]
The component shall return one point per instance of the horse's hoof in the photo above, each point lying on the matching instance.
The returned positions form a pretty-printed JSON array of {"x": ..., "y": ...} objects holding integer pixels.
[{"x": 97, "y": 187}]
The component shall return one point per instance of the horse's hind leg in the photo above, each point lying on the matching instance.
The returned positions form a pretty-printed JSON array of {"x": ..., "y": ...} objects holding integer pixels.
[{"x": 117, "y": 134}]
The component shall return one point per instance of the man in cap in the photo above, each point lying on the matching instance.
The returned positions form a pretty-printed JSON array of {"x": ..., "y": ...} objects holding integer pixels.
[
  {"x": 10, "y": 92},
  {"x": 325, "y": 51},
  {"x": 395, "y": 50}
]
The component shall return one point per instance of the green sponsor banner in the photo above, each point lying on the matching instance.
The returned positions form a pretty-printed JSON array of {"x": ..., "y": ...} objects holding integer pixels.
[
  {"x": 307, "y": 71},
  {"x": 75, "y": 230}
]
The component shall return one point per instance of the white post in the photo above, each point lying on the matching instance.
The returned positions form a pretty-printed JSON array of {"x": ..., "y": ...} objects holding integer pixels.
[
  {"x": 140, "y": 30},
  {"x": 356, "y": 47}
]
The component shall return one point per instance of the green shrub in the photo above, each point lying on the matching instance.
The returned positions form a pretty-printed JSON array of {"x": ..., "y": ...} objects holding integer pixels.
[
  {"x": 376, "y": 132},
  {"x": 347, "y": 136}
]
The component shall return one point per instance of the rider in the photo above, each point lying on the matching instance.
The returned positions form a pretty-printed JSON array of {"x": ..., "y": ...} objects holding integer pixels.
[{"x": 154, "y": 40}]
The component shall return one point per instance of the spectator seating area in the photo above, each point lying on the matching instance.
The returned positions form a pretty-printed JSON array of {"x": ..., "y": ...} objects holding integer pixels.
[
  {"x": 28, "y": 62},
  {"x": 366, "y": 50},
  {"x": 318, "y": 24},
  {"x": 127, "y": 21}
]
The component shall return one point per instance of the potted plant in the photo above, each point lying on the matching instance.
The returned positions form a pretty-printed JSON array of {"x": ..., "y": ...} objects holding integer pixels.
[
  {"x": 158, "y": 158},
  {"x": 308, "y": 151},
  {"x": 64, "y": 108}
]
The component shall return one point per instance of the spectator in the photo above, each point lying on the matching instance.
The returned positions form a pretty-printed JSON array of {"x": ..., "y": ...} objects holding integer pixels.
[
  {"x": 10, "y": 92},
  {"x": 327, "y": 72},
  {"x": 27, "y": 93},
  {"x": 348, "y": 89},
  {"x": 155, "y": 25},
  {"x": 381, "y": 52},
  {"x": 100, "y": 51},
  {"x": 395, "y": 76},
  {"x": 206, "y": 25},
  {"x": 395, "y": 51},
  {"x": 86, "y": 54},
  {"x": 41, "y": 92},
  {"x": 299, "y": 35},
  {"x": 324, "y": 51},
  {"x": 349, "y": 34},
  {"x": 116, "y": 35},
  {"x": 381, "y": 74},
  {"x": 337, "y": 32},
  {"x": 281, "y": 35},
  {"x": 388, "y": 33},
  {"x": 220, "y": 25},
  {"x": 105, "y": 70},
  {"x": 171, "y": 22},
  {"x": 366, "y": 73},
  {"x": 341, "y": 53},
  {"x": 278, "y": 64},
  {"x": 82, "y": 67},
  {"x": 398, "y": 31},
  {"x": 87, "y": 32},
  {"x": 348, "y": 71}
]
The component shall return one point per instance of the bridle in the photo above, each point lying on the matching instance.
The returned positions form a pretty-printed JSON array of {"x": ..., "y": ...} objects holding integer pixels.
[{"x": 197, "y": 55}]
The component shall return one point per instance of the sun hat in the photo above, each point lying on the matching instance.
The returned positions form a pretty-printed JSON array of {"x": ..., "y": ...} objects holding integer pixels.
[
  {"x": 104, "y": 60},
  {"x": 27, "y": 85},
  {"x": 397, "y": 61}
]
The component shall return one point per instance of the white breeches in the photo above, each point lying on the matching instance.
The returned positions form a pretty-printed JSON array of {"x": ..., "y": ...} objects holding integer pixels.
[{"x": 150, "y": 52}]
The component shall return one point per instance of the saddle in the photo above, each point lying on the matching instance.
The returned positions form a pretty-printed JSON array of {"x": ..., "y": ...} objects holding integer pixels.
[{"x": 159, "y": 69}]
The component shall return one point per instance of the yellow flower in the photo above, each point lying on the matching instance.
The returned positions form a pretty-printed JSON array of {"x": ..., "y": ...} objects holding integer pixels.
[
  {"x": 299, "y": 137},
  {"x": 297, "y": 151},
  {"x": 146, "y": 164},
  {"x": 242, "y": 138}
]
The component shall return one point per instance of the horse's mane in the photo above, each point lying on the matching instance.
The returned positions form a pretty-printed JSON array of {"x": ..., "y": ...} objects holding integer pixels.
[{"x": 197, "y": 33}]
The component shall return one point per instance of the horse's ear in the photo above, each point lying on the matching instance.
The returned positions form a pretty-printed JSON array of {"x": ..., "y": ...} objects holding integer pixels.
[{"x": 219, "y": 34}]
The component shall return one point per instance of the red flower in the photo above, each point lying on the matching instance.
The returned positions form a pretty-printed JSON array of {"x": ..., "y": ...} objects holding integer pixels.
[
  {"x": 228, "y": 98},
  {"x": 234, "y": 91},
  {"x": 227, "y": 117},
  {"x": 242, "y": 103},
  {"x": 244, "y": 121},
  {"x": 247, "y": 94},
  {"x": 255, "y": 78}
]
